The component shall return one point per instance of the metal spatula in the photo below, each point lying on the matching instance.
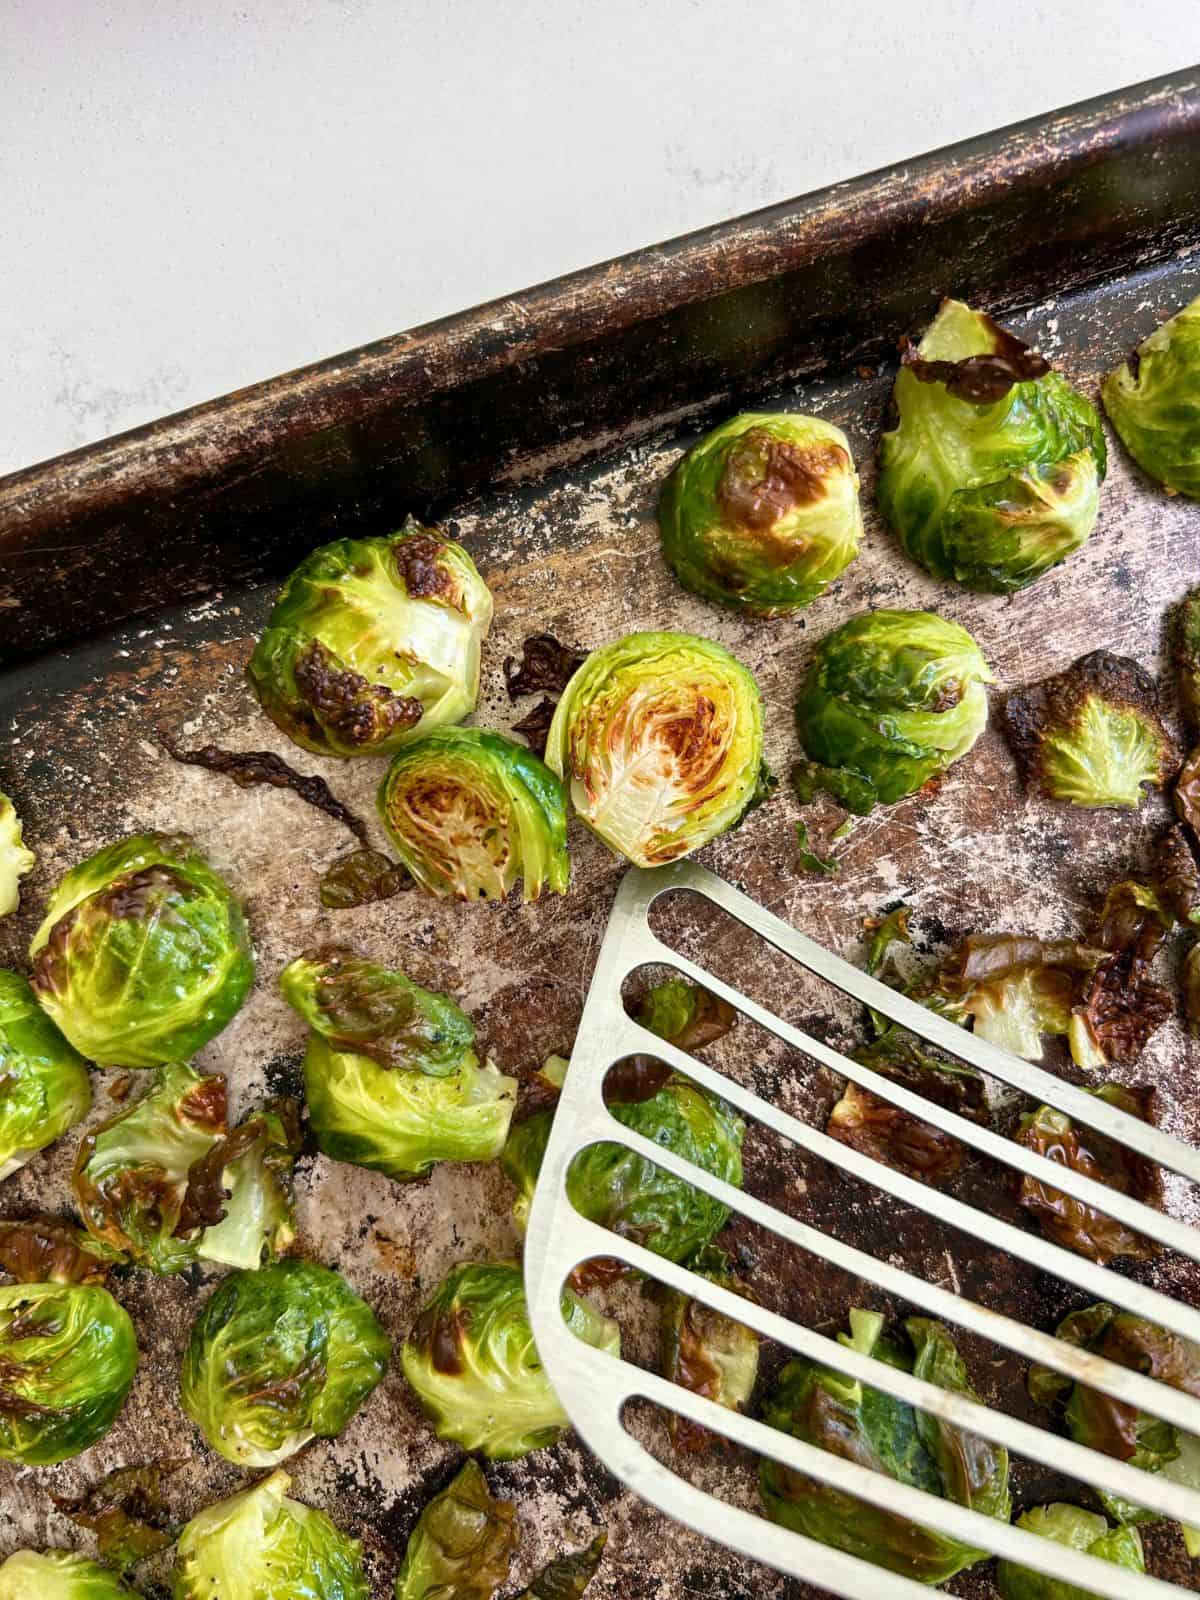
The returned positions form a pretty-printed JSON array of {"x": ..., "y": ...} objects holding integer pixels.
[{"x": 595, "y": 1388}]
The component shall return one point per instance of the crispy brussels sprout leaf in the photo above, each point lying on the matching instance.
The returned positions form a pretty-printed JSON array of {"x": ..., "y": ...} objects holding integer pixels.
[
  {"x": 1177, "y": 876},
  {"x": 1190, "y": 985},
  {"x": 1120, "y": 1007},
  {"x": 470, "y": 812},
  {"x": 277, "y": 1357},
  {"x": 685, "y": 1014},
  {"x": 59, "y": 1575},
  {"x": 1187, "y": 794},
  {"x": 67, "y": 1359},
  {"x": 1153, "y": 402},
  {"x": 545, "y": 665},
  {"x": 1186, "y": 657},
  {"x": 658, "y": 738},
  {"x": 1016, "y": 989},
  {"x": 892, "y": 698},
  {"x": 242, "y": 1189},
  {"x": 462, "y": 1545},
  {"x": 125, "y": 1511},
  {"x": 45, "y": 1249},
  {"x": 705, "y": 1351},
  {"x": 260, "y": 1543},
  {"x": 1092, "y": 735},
  {"x": 361, "y": 879},
  {"x": 373, "y": 642},
  {"x": 521, "y": 1161},
  {"x": 762, "y": 514},
  {"x": 992, "y": 473},
  {"x": 1078, "y": 1530},
  {"x": 15, "y": 859},
  {"x": 44, "y": 1083},
  {"x": 250, "y": 768},
  {"x": 473, "y": 1365},
  {"x": 143, "y": 956},
  {"x": 850, "y": 789},
  {"x": 567, "y": 1577},
  {"x": 809, "y": 860}
]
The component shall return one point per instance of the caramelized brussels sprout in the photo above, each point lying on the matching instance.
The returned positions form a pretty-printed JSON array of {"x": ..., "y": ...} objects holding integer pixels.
[
  {"x": 685, "y": 1014},
  {"x": 1078, "y": 1530},
  {"x": 1092, "y": 735},
  {"x": 705, "y": 1351},
  {"x": 143, "y": 956},
  {"x": 824, "y": 1408},
  {"x": 1015, "y": 989},
  {"x": 279, "y": 1356},
  {"x": 470, "y": 812},
  {"x": 1177, "y": 877},
  {"x": 44, "y": 1084},
  {"x": 892, "y": 699},
  {"x": 659, "y": 739},
  {"x": 762, "y": 514},
  {"x": 567, "y": 1577},
  {"x": 15, "y": 859},
  {"x": 241, "y": 1191},
  {"x": 59, "y": 1575},
  {"x": 992, "y": 473},
  {"x": 462, "y": 1545},
  {"x": 372, "y": 642},
  {"x": 261, "y": 1545},
  {"x": 1186, "y": 656},
  {"x": 1190, "y": 985},
  {"x": 1153, "y": 401},
  {"x": 1120, "y": 1006},
  {"x": 473, "y": 1364}
]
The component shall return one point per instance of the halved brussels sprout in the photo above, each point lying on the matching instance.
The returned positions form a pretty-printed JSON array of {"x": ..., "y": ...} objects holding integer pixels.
[
  {"x": 1078, "y": 1530},
  {"x": 44, "y": 1084},
  {"x": 891, "y": 699},
  {"x": 143, "y": 956},
  {"x": 15, "y": 859},
  {"x": 992, "y": 474},
  {"x": 373, "y": 641},
  {"x": 67, "y": 1358},
  {"x": 59, "y": 1575},
  {"x": 659, "y": 739},
  {"x": 762, "y": 514},
  {"x": 462, "y": 1545},
  {"x": 705, "y": 1351},
  {"x": 472, "y": 1361},
  {"x": 261, "y": 1545},
  {"x": 825, "y": 1408},
  {"x": 1153, "y": 401},
  {"x": 279, "y": 1356},
  {"x": 470, "y": 812}
]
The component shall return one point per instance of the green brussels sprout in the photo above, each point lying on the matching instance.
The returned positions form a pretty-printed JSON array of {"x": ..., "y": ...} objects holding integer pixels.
[
  {"x": 372, "y": 642},
  {"x": 241, "y": 1191},
  {"x": 1092, "y": 735},
  {"x": 685, "y": 1014},
  {"x": 891, "y": 699},
  {"x": 15, "y": 859},
  {"x": 1078, "y": 1530},
  {"x": 390, "y": 1077},
  {"x": 470, "y": 812},
  {"x": 67, "y": 1358},
  {"x": 59, "y": 1575},
  {"x": 659, "y": 738},
  {"x": 567, "y": 1577},
  {"x": 705, "y": 1351},
  {"x": 278, "y": 1356},
  {"x": 260, "y": 1545},
  {"x": 992, "y": 474},
  {"x": 473, "y": 1364},
  {"x": 1153, "y": 401},
  {"x": 762, "y": 514},
  {"x": 143, "y": 956},
  {"x": 44, "y": 1084},
  {"x": 865, "y": 1425},
  {"x": 462, "y": 1545}
]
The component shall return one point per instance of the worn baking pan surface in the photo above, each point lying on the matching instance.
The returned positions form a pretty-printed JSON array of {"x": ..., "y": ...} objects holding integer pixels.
[{"x": 575, "y": 552}]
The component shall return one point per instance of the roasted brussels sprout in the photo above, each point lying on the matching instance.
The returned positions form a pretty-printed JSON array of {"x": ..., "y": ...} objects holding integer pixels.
[
  {"x": 762, "y": 514},
  {"x": 279, "y": 1356},
  {"x": 59, "y": 1575},
  {"x": 48, "y": 1249},
  {"x": 705, "y": 1351},
  {"x": 143, "y": 956},
  {"x": 472, "y": 1361},
  {"x": 1190, "y": 986},
  {"x": 1092, "y": 735},
  {"x": 1153, "y": 401},
  {"x": 462, "y": 1545},
  {"x": 15, "y": 859},
  {"x": 1015, "y": 989},
  {"x": 241, "y": 1191},
  {"x": 260, "y": 1545},
  {"x": 390, "y": 1077},
  {"x": 992, "y": 473},
  {"x": 470, "y": 812},
  {"x": 1177, "y": 876},
  {"x": 659, "y": 738},
  {"x": 44, "y": 1084},
  {"x": 861, "y": 1424},
  {"x": 373, "y": 641},
  {"x": 1079, "y": 1530},
  {"x": 892, "y": 698},
  {"x": 567, "y": 1577},
  {"x": 1120, "y": 1007}
]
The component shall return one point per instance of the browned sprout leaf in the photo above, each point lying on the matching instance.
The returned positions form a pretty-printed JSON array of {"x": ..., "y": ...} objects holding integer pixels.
[
  {"x": 1121, "y": 1007},
  {"x": 125, "y": 1511},
  {"x": 1070, "y": 1222},
  {"x": 567, "y": 1577},
  {"x": 275, "y": 1128},
  {"x": 1187, "y": 657},
  {"x": 545, "y": 664},
  {"x": 1190, "y": 975},
  {"x": 809, "y": 860},
  {"x": 685, "y": 1014},
  {"x": 462, "y": 1545},
  {"x": 362, "y": 878},
  {"x": 1016, "y": 988},
  {"x": 1176, "y": 874},
  {"x": 1187, "y": 793},
  {"x": 981, "y": 379},
  {"x": 46, "y": 1249},
  {"x": 706, "y": 1352},
  {"x": 534, "y": 726}
]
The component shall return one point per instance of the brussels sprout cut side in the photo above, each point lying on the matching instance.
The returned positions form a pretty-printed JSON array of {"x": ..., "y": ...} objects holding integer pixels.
[
  {"x": 1078, "y": 1530},
  {"x": 762, "y": 514},
  {"x": 475, "y": 1369},
  {"x": 44, "y": 1084},
  {"x": 992, "y": 474},
  {"x": 1153, "y": 402},
  {"x": 891, "y": 699},
  {"x": 462, "y": 1545},
  {"x": 373, "y": 641},
  {"x": 261, "y": 1545},
  {"x": 59, "y": 1575},
  {"x": 659, "y": 740},
  {"x": 143, "y": 956},
  {"x": 15, "y": 859},
  {"x": 470, "y": 812}
]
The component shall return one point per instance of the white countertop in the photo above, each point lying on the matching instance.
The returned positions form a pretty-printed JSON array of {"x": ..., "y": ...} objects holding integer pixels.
[{"x": 194, "y": 196}]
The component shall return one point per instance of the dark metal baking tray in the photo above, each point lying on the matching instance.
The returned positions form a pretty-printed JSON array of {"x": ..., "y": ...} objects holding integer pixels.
[{"x": 134, "y": 574}]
